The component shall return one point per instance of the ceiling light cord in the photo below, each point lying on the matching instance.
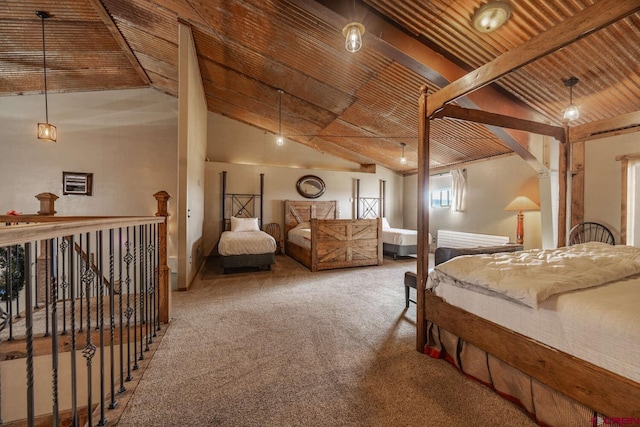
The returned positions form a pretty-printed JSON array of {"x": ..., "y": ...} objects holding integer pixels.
[
  {"x": 280, "y": 139},
  {"x": 44, "y": 67}
]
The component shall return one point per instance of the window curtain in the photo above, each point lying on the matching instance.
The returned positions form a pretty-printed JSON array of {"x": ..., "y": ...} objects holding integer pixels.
[{"x": 459, "y": 185}]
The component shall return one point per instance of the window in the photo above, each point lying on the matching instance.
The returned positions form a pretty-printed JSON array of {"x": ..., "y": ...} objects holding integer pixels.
[
  {"x": 441, "y": 190},
  {"x": 441, "y": 198}
]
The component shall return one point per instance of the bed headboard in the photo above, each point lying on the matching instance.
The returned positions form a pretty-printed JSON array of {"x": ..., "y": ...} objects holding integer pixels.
[
  {"x": 370, "y": 207},
  {"x": 297, "y": 211},
  {"x": 241, "y": 205}
]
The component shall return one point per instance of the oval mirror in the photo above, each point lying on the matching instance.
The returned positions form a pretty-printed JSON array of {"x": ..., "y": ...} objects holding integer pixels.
[{"x": 310, "y": 186}]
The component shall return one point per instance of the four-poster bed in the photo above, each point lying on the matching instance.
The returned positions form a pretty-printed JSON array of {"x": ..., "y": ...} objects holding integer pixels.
[
  {"x": 568, "y": 382},
  {"x": 242, "y": 242},
  {"x": 319, "y": 241}
]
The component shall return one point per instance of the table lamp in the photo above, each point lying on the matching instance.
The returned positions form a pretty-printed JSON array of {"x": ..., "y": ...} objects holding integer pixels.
[{"x": 521, "y": 203}]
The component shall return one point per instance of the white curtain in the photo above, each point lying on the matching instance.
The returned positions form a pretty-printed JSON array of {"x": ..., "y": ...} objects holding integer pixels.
[{"x": 457, "y": 204}]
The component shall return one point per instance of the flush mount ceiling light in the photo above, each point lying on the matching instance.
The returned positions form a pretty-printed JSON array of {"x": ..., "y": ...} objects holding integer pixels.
[
  {"x": 46, "y": 131},
  {"x": 403, "y": 159},
  {"x": 280, "y": 138},
  {"x": 491, "y": 16},
  {"x": 353, "y": 32},
  {"x": 571, "y": 113}
]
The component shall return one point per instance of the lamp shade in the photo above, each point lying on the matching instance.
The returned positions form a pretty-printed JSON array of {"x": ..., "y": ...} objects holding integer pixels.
[
  {"x": 522, "y": 203},
  {"x": 353, "y": 33}
]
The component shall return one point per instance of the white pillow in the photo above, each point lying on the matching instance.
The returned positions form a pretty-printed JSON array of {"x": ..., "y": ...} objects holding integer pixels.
[
  {"x": 244, "y": 224},
  {"x": 303, "y": 225},
  {"x": 385, "y": 223}
]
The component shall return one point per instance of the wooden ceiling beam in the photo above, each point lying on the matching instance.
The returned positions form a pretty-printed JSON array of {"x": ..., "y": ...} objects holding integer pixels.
[
  {"x": 588, "y": 21},
  {"x": 113, "y": 29},
  {"x": 625, "y": 123},
  {"x": 479, "y": 116}
]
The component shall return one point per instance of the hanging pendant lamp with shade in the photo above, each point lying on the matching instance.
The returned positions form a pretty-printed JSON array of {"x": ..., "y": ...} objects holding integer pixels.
[
  {"x": 46, "y": 131},
  {"x": 403, "y": 159}
]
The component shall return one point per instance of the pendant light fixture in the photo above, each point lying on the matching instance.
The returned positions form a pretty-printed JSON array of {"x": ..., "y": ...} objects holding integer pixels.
[
  {"x": 571, "y": 112},
  {"x": 403, "y": 159},
  {"x": 46, "y": 131},
  {"x": 353, "y": 32},
  {"x": 280, "y": 138}
]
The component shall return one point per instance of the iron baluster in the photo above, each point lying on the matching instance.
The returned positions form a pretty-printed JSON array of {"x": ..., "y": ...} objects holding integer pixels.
[
  {"x": 127, "y": 259},
  {"x": 29, "y": 334},
  {"x": 89, "y": 350},
  {"x": 135, "y": 300},
  {"x": 8, "y": 278},
  {"x": 81, "y": 283},
  {"x": 47, "y": 286},
  {"x": 74, "y": 375},
  {"x": 112, "y": 324},
  {"x": 120, "y": 326},
  {"x": 141, "y": 289},
  {"x": 100, "y": 310},
  {"x": 64, "y": 283},
  {"x": 54, "y": 328},
  {"x": 147, "y": 280}
]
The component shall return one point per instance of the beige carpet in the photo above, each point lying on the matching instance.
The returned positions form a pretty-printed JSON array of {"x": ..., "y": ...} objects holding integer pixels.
[{"x": 292, "y": 348}]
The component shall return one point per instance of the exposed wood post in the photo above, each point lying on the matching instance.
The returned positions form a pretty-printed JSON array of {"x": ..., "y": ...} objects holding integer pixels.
[
  {"x": 163, "y": 269},
  {"x": 563, "y": 186},
  {"x": 624, "y": 165},
  {"x": 47, "y": 203},
  {"x": 43, "y": 259},
  {"x": 423, "y": 219},
  {"x": 577, "y": 183}
]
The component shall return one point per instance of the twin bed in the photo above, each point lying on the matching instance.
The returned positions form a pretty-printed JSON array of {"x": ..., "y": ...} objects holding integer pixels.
[
  {"x": 243, "y": 244},
  {"x": 318, "y": 240},
  {"x": 567, "y": 318}
]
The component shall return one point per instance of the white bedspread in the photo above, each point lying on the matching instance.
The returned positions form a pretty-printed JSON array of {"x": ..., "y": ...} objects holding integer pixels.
[
  {"x": 246, "y": 243},
  {"x": 399, "y": 236},
  {"x": 531, "y": 277},
  {"x": 301, "y": 236}
]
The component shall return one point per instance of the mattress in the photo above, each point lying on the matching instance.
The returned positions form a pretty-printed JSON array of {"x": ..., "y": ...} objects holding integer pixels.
[
  {"x": 246, "y": 243},
  {"x": 300, "y": 236},
  {"x": 600, "y": 325}
]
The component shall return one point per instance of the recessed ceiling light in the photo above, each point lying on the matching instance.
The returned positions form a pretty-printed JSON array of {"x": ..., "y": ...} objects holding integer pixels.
[{"x": 491, "y": 16}]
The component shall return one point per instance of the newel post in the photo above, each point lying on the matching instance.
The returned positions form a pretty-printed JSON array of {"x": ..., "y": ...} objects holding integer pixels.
[
  {"x": 47, "y": 203},
  {"x": 163, "y": 268}
]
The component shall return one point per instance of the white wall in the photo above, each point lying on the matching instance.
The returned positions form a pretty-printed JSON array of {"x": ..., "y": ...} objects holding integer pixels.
[
  {"x": 192, "y": 135},
  {"x": 280, "y": 185},
  {"x": 603, "y": 178},
  {"x": 491, "y": 185},
  {"x": 126, "y": 138}
]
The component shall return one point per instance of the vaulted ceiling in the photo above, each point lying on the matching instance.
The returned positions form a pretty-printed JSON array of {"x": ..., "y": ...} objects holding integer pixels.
[{"x": 357, "y": 106}]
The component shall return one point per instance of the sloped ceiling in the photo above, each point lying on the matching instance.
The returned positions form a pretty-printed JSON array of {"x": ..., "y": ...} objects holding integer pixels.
[{"x": 357, "y": 106}]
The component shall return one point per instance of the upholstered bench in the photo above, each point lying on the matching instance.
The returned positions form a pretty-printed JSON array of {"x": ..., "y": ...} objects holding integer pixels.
[{"x": 443, "y": 254}]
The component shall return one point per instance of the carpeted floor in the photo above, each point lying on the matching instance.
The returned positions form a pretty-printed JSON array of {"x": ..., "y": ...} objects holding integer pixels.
[{"x": 292, "y": 348}]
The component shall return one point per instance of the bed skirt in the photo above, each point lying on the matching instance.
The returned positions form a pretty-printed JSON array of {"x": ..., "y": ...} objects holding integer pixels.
[
  {"x": 254, "y": 260},
  {"x": 546, "y": 406},
  {"x": 397, "y": 250}
]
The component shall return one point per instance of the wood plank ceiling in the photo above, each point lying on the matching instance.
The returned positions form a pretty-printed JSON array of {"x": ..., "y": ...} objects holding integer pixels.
[{"x": 359, "y": 107}]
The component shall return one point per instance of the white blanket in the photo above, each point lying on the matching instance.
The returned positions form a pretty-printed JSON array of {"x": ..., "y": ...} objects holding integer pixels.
[
  {"x": 400, "y": 236},
  {"x": 246, "y": 243},
  {"x": 530, "y": 277}
]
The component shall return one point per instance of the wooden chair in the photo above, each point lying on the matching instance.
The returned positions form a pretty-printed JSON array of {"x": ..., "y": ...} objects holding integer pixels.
[
  {"x": 273, "y": 229},
  {"x": 590, "y": 232}
]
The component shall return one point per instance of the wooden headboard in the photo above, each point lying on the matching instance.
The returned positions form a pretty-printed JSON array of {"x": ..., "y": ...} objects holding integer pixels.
[{"x": 297, "y": 211}]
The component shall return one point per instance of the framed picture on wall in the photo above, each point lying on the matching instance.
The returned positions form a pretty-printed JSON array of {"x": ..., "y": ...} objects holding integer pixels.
[{"x": 78, "y": 183}]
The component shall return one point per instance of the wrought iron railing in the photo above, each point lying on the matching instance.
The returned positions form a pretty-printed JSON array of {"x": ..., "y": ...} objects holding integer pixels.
[{"x": 81, "y": 301}]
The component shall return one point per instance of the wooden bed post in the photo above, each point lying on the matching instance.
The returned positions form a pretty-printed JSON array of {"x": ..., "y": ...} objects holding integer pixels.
[
  {"x": 423, "y": 219},
  {"x": 224, "y": 199},
  {"x": 261, "y": 200},
  {"x": 357, "y": 198},
  {"x": 383, "y": 194}
]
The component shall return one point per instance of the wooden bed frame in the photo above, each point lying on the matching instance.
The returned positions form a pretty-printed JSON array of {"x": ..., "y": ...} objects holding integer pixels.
[
  {"x": 374, "y": 207},
  {"x": 243, "y": 206},
  {"x": 596, "y": 388},
  {"x": 335, "y": 243}
]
